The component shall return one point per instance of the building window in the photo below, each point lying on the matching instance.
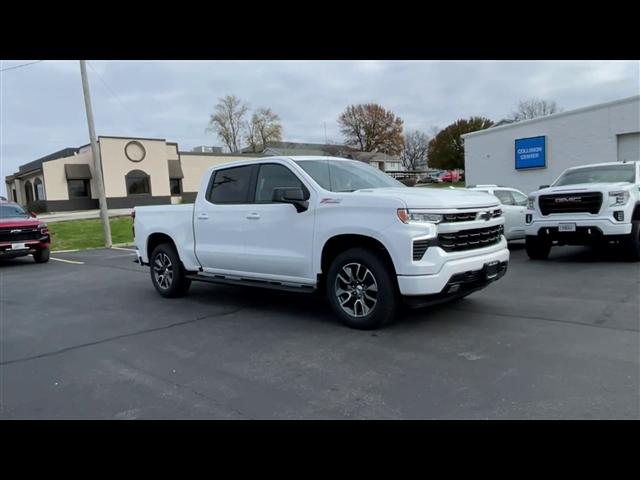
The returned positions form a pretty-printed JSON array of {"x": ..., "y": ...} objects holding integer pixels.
[
  {"x": 15, "y": 195},
  {"x": 175, "y": 184},
  {"x": 78, "y": 188},
  {"x": 39, "y": 186},
  {"x": 138, "y": 183},
  {"x": 28, "y": 190}
]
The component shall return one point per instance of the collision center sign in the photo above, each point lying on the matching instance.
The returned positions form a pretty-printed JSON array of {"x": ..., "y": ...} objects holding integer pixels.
[{"x": 531, "y": 153}]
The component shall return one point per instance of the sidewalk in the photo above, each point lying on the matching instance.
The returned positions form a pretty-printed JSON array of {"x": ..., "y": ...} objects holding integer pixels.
[{"x": 81, "y": 215}]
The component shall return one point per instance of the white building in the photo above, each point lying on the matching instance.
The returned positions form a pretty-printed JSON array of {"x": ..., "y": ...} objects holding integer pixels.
[{"x": 531, "y": 153}]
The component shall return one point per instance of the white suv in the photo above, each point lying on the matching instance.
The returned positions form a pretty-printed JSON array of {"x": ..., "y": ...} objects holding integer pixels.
[
  {"x": 591, "y": 204},
  {"x": 514, "y": 206}
]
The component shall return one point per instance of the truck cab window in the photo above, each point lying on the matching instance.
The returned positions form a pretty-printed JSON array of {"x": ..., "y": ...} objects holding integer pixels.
[
  {"x": 272, "y": 176},
  {"x": 231, "y": 185}
]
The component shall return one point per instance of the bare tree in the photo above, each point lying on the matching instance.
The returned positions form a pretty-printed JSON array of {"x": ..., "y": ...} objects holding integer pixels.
[
  {"x": 533, "y": 108},
  {"x": 414, "y": 154},
  {"x": 371, "y": 128},
  {"x": 264, "y": 127},
  {"x": 227, "y": 121}
]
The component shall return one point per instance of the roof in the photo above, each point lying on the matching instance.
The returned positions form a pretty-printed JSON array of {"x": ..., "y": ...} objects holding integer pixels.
[
  {"x": 295, "y": 148},
  {"x": 37, "y": 164},
  {"x": 635, "y": 98}
]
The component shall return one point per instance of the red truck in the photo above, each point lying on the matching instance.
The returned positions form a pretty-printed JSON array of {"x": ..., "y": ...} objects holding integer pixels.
[{"x": 21, "y": 234}]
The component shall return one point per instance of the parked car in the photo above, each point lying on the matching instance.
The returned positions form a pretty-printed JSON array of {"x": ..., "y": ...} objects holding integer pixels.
[
  {"x": 432, "y": 177},
  {"x": 342, "y": 226},
  {"x": 514, "y": 206},
  {"x": 586, "y": 205},
  {"x": 450, "y": 176},
  {"x": 21, "y": 234}
]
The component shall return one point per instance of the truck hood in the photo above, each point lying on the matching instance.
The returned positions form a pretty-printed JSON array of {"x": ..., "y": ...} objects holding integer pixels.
[
  {"x": 425, "y": 197},
  {"x": 588, "y": 187},
  {"x": 19, "y": 222}
]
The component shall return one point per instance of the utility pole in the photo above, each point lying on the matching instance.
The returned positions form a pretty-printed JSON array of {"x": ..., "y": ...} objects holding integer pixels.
[{"x": 97, "y": 162}]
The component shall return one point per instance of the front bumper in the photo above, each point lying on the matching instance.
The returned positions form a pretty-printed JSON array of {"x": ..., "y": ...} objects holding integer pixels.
[
  {"x": 417, "y": 285},
  {"x": 604, "y": 225},
  {"x": 31, "y": 247}
]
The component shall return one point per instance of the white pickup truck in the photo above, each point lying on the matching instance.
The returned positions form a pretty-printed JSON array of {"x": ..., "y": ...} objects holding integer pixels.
[
  {"x": 586, "y": 205},
  {"x": 307, "y": 223}
]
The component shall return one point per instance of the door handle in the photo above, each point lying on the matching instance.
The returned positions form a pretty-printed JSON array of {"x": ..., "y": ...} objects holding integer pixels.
[
  {"x": 253, "y": 216},
  {"x": 203, "y": 216}
]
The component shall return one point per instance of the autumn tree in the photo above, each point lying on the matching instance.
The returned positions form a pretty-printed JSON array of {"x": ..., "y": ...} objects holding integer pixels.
[
  {"x": 228, "y": 121},
  {"x": 371, "y": 128},
  {"x": 533, "y": 108},
  {"x": 446, "y": 149},
  {"x": 414, "y": 153},
  {"x": 264, "y": 127}
]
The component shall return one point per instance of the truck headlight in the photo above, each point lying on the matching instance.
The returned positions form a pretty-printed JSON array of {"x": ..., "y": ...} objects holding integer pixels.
[
  {"x": 530, "y": 202},
  {"x": 44, "y": 230},
  {"x": 618, "y": 198},
  {"x": 412, "y": 216}
]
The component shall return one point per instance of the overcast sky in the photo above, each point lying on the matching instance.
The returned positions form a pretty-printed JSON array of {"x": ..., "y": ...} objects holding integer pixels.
[{"x": 42, "y": 109}]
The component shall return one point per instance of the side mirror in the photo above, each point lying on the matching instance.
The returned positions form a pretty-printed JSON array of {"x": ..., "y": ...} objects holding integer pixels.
[
  {"x": 295, "y": 196},
  {"x": 33, "y": 214},
  {"x": 543, "y": 186}
]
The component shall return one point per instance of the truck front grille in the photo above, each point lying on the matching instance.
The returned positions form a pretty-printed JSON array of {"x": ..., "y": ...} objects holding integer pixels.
[
  {"x": 470, "y": 239},
  {"x": 19, "y": 234},
  {"x": 589, "y": 202},
  {"x": 470, "y": 216}
]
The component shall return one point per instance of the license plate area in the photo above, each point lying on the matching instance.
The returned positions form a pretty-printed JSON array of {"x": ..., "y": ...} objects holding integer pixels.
[
  {"x": 491, "y": 270},
  {"x": 567, "y": 227},
  {"x": 18, "y": 246}
]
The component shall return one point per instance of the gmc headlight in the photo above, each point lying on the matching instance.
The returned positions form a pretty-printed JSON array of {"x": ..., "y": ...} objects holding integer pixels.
[
  {"x": 413, "y": 216},
  {"x": 618, "y": 198},
  {"x": 530, "y": 202}
]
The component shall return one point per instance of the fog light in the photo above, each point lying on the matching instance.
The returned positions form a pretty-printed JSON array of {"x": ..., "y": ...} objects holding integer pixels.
[
  {"x": 454, "y": 288},
  {"x": 619, "y": 215}
]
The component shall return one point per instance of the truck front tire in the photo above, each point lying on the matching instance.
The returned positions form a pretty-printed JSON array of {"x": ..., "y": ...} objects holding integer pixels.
[
  {"x": 42, "y": 255},
  {"x": 167, "y": 273},
  {"x": 361, "y": 289},
  {"x": 632, "y": 243},
  {"x": 537, "y": 248}
]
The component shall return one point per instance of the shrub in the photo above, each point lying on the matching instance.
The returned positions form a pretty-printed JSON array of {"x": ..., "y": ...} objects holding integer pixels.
[{"x": 37, "y": 206}]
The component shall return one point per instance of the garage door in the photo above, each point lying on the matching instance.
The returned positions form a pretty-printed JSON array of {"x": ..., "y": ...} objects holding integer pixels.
[{"x": 629, "y": 147}]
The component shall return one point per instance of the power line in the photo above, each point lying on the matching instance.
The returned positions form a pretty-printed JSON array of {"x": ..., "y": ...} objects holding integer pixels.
[{"x": 21, "y": 65}]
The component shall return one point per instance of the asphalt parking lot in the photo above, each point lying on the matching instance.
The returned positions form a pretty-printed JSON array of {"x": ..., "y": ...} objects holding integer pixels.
[{"x": 92, "y": 339}]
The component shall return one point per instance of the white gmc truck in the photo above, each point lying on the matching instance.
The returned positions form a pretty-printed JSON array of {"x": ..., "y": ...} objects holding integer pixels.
[
  {"x": 342, "y": 226},
  {"x": 591, "y": 204}
]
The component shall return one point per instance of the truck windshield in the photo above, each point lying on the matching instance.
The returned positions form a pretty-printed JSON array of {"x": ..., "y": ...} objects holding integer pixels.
[
  {"x": 625, "y": 172},
  {"x": 346, "y": 175},
  {"x": 12, "y": 211}
]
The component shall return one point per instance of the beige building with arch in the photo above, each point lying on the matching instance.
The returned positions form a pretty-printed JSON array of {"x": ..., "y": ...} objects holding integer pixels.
[{"x": 137, "y": 171}]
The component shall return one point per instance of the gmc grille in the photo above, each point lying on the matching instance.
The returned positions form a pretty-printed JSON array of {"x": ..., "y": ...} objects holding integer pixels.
[
  {"x": 589, "y": 202},
  {"x": 470, "y": 239},
  {"x": 23, "y": 234}
]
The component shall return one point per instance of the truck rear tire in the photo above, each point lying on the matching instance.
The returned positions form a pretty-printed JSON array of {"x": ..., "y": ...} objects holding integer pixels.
[
  {"x": 42, "y": 255},
  {"x": 167, "y": 273},
  {"x": 632, "y": 243},
  {"x": 361, "y": 289},
  {"x": 537, "y": 248}
]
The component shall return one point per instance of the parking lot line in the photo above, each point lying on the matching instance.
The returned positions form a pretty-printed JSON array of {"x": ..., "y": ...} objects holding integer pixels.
[
  {"x": 66, "y": 261},
  {"x": 125, "y": 249}
]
